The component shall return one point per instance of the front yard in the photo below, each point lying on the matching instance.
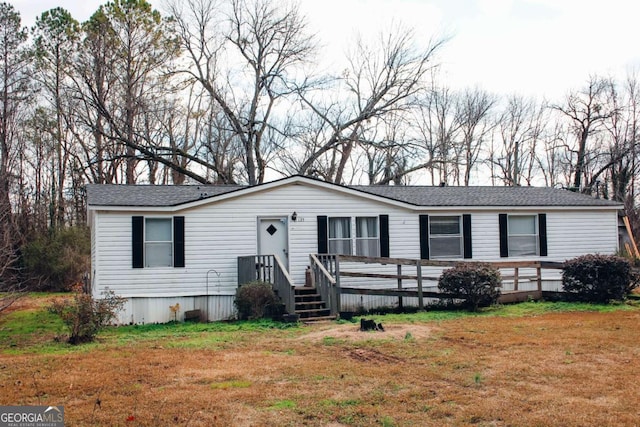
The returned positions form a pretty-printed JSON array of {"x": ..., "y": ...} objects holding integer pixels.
[{"x": 528, "y": 364}]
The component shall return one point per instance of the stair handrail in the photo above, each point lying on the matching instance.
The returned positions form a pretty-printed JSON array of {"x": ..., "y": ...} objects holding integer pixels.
[
  {"x": 325, "y": 283},
  {"x": 270, "y": 269},
  {"x": 283, "y": 284}
]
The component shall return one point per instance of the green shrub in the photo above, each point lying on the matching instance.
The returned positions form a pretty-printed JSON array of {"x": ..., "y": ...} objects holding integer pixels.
[
  {"x": 477, "y": 284},
  {"x": 58, "y": 260},
  {"x": 84, "y": 316},
  {"x": 598, "y": 278},
  {"x": 252, "y": 299}
]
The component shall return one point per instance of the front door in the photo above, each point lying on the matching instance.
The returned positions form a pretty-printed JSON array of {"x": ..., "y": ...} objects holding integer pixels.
[{"x": 272, "y": 238}]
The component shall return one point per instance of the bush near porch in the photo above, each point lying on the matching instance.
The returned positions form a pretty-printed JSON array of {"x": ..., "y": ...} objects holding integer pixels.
[
  {"x": 478, "y": 284},
  {"x": 598, "y": 278}
]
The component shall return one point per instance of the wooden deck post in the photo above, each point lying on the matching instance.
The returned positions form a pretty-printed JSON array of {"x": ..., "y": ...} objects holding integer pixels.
[
  {"x": 419, "y": 274},
  {"x": 539, "y": 274},
  {"x": 336, "y": 299},
  {"x": 516, "y": 272},
  {"x": 400, "y": 306}
]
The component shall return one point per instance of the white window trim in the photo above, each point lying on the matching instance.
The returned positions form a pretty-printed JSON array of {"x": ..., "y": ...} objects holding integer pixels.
[
  {"x": 353, "y": 233},
  {"x": 340, "y": 239},
  {"x": 536, "y": 235},
  {"x": 366, "y": 239},
  {"x": 145, "y": 242},
  {"x": 460, "y": 236}
]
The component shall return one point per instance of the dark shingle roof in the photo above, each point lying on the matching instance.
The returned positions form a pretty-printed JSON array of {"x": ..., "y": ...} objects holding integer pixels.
[
  {"x": 484, "y": 196},
  {"x": 152, "y": 195},
  {"x": 173, "y": 195}
]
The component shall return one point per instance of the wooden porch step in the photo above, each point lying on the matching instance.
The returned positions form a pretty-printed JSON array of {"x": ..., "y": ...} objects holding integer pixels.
[
  {"x": 309, "y": 305},
  {"x": 311, "y": 310},
  {"x": 318, "y": 319},
  {"x": 308, "y": 298},
  {"x": 313, "y": 313}
]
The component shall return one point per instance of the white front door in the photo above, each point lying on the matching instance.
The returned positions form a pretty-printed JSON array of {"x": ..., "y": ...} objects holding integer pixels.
[{"x": 272, "y": 238}]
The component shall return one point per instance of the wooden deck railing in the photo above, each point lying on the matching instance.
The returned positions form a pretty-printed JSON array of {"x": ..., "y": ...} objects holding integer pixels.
[
  {"x": 326, "y": 274},
  {"x": 334, "y": 264},
  {"x": 268, "y": 268},
  {"x": 326, "y": 279}
]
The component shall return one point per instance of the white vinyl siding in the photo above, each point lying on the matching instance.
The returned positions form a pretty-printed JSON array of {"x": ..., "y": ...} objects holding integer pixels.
[
  {"x": 158, "y": 242},
  {"x": 217, "y": 233},
  {"x": 523, "y": 235},
  {"x": 445, "y": 236},
  {"x": 367, "y": 237}
]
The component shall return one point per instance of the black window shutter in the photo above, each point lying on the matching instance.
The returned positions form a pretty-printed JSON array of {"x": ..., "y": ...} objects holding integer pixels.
[
  {"x": 424, "y": 236},
  {"x": 178, "y": 241},
  {"x": 384, "y": 235},
  {"x": 504, "y": 236},
  {"x": 466, "y": 235},
  {"x": 542, "y": 233},
  {"x": 137, "y": 242},
  {"x": 323, "y": 236}
]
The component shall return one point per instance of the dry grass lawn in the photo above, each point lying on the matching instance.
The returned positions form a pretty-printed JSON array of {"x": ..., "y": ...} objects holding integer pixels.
[{"x": 554, "y": 369}]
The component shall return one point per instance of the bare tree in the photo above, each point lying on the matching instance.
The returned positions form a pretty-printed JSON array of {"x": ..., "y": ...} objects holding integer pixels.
[
  {"x": 379, "y": 80},
  {"x": 586, "y": 111},
  {"x": 633, "y": 89},
  {"x": 386, "y": 152},
  {"x": 519, "y": 130},
  {"x": 437, "y": 128},
  {"x": 246, "y": 62},
  {"x": 9, "y": 287},
  {"x": 554, "y": 159},
  {"x": 473, "y": 111},
  {"x": 180, "y": 126},
  {"x": 618, "y": 162}
]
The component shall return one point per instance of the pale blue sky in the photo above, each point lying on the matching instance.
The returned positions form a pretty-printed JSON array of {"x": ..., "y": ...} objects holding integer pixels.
[{"x": 533, "y": 47}]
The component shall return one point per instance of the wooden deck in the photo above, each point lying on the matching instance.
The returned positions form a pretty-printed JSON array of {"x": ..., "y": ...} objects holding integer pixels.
[
  {"x": 410, "y": 282},
  {"x": 401, "y": 278}
]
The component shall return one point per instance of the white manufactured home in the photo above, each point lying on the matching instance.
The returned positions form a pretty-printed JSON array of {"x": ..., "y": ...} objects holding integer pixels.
[{"x": 159, "y": 246}]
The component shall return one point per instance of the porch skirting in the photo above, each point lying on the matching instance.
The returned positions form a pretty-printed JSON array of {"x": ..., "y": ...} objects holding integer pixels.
[{"x": 142, "y": 310}]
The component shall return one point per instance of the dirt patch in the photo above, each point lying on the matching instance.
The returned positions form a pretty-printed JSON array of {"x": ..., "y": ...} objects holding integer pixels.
[
  {"x": 352, "y": 332},
  {"x": 369, "y": 355}
]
